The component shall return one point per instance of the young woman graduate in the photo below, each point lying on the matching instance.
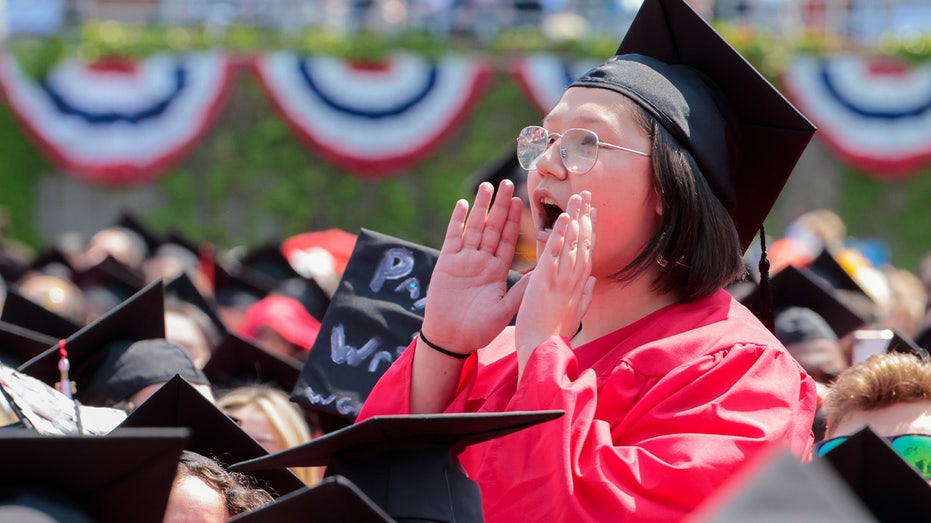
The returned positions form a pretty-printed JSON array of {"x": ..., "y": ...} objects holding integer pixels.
[{"x": 668, "y": 384}]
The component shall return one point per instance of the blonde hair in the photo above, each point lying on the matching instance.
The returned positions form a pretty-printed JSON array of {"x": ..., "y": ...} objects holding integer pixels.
[
  {"x": 876, "y": 382},
  {"x": 282, "y": 414}
]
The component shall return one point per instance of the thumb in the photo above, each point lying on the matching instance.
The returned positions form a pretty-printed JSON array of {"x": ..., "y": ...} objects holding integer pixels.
[
  {"x": 587, "y": 292},
  {"x": 515, "y": 294}
]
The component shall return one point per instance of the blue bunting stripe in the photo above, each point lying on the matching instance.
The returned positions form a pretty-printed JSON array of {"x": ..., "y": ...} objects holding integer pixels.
[
  {"x": 544, "y": 76},
  {"x": 874, "y": 114},
  {"x": 372, "y": 119},
  {"x": 123, "y": 125}
]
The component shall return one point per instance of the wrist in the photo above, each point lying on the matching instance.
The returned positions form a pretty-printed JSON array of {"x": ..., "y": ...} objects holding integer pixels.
[{"x": 440, "y": 349}]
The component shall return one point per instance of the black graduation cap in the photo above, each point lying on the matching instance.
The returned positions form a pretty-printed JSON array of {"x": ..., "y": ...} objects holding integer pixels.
[
  {"x": 374, "y": 314},
  {"x": 794, "y": 287},
  {"x": 213, "y": 433},
  {"x": 333, "y": 500},
  {"x": 182, "y": 288},
  {"x": 54, "y": 262},
  {"x": 18, "y": 344},
  {"x": 923, "y": 339},
  {"x": 407, "y": 464},
  {"x": 826, "y": 267},
  {"x": 269, "y": 262},
  {"x": 235, "y": 286},
  {"x": 269, "y": 266},
  {"x": 888, "y": 486},
  {"x": 129, "y": 220},
  {"x": 21, "y": 311},
  {"x": 237, "y": 361},
  {"x": 12, "y": 268},
  {"x": 124, "y": 476},
  {"x": 677, "y": 68},
  {"x": 776, "y": 486},
  {"x": 108, "y": 283},
  {"x": 141, "y": 317},
  {"x": 504, "y": 167}
]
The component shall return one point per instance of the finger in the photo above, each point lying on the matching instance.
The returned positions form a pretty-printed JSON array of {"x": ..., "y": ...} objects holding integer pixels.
[
  {"x": 497, "y": 217},
  {"x": 475, "y": 223},
  {"x": 584, "y": 255},
  {"x": 453, "y": 240},
  {"x": 569, "y": 254},
  {"x": 511, "y": 232},
  {"x": 515, "y": 294}
]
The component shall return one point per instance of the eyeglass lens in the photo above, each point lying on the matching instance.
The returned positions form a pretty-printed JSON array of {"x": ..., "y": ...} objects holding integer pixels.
[{"x": 578, "y": 148}]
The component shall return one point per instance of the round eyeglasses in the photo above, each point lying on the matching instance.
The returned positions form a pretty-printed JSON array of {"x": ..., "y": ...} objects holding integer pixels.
[{"x": 578, "y": 148}]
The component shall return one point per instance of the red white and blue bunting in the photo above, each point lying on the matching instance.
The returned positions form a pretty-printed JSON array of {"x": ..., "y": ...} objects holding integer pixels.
[
  {"x": 374, "y": 120},
  {"x": 120, "y": 123},
  {"x": 874, "y": 114},
  {"x": 544, "y": 76}
]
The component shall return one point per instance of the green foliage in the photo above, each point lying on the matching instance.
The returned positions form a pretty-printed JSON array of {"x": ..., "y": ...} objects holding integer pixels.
[{"x": 20, "y": 170}]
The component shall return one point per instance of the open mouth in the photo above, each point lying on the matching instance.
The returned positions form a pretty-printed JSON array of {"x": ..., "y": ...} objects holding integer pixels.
[{"x": 550, "y": 211}]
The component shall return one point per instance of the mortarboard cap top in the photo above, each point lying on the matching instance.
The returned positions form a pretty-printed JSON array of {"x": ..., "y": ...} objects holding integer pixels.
[
  {"x": 236, "y": 361},
  {"x": 699, "y": 88},
  {"x": 213, "y": 433},
  {"x": 124, "y": 476},
  {"x": 21, "y": 311},
  {"x": 407, "y": 463}
]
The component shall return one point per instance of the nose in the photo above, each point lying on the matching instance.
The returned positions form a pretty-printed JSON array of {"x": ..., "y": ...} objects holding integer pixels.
[{"x": 551, "y": 164}]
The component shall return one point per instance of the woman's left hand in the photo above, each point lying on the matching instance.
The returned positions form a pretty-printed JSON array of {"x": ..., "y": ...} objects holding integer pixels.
[{"x": 560, "y": 287}]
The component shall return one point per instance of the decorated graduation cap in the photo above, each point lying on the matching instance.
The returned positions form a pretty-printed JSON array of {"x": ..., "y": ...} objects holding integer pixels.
[
  {"x": 213, "y": 433},
  {"x": 333, "y": 500},
  {"x": 19, "y": 345},
  {"x": 886, "y": 484},
  {"x": 21, "y": 311},
  {"x": 407, "y": 464},
  {"x": 237, "y": 361},
  {"x": 94, "y": 351},
  {"x": 804, "y": 307},
  {"x": 744, "y": 135},
  {"x": 124, "y": 476},
  {"x": 374, "y": 314},
  {"x": 776, "y": 486}
]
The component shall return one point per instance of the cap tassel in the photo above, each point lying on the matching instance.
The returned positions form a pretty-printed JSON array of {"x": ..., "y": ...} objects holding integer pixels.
[
  {"x": 64, "y": 366},
  {"x": 765, "y": 294},
  {"x": 206, "y": 260}
]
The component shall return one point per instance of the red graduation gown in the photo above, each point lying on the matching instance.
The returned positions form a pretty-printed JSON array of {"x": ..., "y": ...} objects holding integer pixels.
[{"x": 658, "y": 415}]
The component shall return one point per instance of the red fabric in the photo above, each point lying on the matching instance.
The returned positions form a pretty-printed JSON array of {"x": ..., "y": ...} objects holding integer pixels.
[
  {"x": 658, "y": 415},
  {"x": 286, "y": 316},
  {"x": 337, "y": 242}
]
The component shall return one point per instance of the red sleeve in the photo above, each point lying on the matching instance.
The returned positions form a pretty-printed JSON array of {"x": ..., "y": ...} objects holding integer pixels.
[{"x": 635, "y": 447}]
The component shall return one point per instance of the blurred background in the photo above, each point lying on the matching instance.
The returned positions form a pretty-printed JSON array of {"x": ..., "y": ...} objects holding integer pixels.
[{"x": 240, "y": 123}]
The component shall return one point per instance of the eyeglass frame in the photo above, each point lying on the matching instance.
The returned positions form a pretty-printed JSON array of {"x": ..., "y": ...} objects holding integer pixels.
[{"x": 562, "y": 154}]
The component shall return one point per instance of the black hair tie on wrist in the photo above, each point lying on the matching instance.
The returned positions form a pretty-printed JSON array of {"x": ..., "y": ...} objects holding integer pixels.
[{"x": 441, "y": 350}]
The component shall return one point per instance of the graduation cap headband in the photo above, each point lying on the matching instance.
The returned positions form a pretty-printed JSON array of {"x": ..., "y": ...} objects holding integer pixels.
[{"x": 677, "y": 68}]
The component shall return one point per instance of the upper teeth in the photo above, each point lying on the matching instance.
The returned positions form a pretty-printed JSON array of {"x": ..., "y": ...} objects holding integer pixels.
[{"x": 549, "y": 201}]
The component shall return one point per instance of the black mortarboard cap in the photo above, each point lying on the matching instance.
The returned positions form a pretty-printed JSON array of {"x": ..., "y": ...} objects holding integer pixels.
[
  {"x": 923, "y": 339},
  {"x": 108, "y": 283},
  {"x": 374, "y": 314},
  {"x": 19, "y": 345},
  {"x": 12, "y": 268},
  {"x": 182, "y": 288},
  {"x": 826, "y": 267},
  {"x": 775, "y": 486},
  {"x": 407, "y": 464},
  {"x": 129, "y": 220},
  {"x": 745, "y": 136},
  {"x": 901, "y": 343},
  {"x": 237, "y": 361},
  {"x": 333, "y": 500},
  {"x": 269, "y": 262},
  {"x": 888, "y": 486},
  {"x": 235, "y": 286},
  {"x": 794, "y": 287},
  {"x": 19, "y": 310},
  {"x": 213, "y": 433},
  {"x": 54, "y": 262},
  {"x": 124, "y": 476},
  {"x": 504, "y": 167},
  {"x": 270, "y": 267},
  {"x": 141, "y": 317}
]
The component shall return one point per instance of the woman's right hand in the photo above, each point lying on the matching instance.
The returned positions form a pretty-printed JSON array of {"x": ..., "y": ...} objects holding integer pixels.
[{"x": 468, "y": 303}]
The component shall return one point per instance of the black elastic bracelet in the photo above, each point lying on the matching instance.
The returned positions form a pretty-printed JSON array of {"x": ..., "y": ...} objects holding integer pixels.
[{"x": 441, "y": 350}]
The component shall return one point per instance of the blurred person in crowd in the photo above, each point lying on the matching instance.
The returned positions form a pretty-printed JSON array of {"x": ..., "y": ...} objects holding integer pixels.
[
  {"x": 889, "y": 392},
  {"x": 281, "y": 325},
  {"x": 170, "y": 260},
  {"x": 266, "y": 414},
  {"x": 204, "y": 492},
  {"x": 908, "y": 302},
  {"x": 56, "y": 294},
  {"x": 123, "y": 244},
  {"x": 191, "y": 329},
  {"x": 819, "y": 229}
]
